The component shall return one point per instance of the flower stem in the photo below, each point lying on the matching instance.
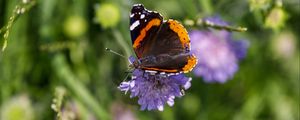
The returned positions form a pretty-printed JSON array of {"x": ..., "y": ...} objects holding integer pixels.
[
  {"x": 204, "y": 23},
  {"x": 20, "y": 9},
  {"x": 69, "y": 79},
  {"x": 58, "y": 101}
]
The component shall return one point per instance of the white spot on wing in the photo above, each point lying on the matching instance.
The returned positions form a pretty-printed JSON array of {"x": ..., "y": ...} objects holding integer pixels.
[
  {"x": 137, "y": 5},
  {"x": 132, "y": 15},
  {"x": 151, "y": 72},
  {"x": 171, "y": 74},
  {"x": 148, "y": 10},
  {"x": 142, "y": 16},
  {"x": 134, "y": 25}
]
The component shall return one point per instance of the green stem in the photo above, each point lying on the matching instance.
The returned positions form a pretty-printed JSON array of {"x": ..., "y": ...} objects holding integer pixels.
[
  {"x": 65, "y": 74},
  {"x": 204, "y": 23},
  {"x": 225, "y": 27},
  {"x": 19, "y": 10}
]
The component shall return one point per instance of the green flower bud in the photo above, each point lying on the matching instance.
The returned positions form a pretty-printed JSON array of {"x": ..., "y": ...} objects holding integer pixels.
[
  {"x": 17, "y": 108},
  {"x": 108, "y": 15},
  {"x": 75, "y": 26},
  {"x": 276, "y": 18}
]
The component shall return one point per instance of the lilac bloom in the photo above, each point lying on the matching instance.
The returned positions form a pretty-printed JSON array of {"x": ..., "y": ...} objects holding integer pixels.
[
  {"x": 218, "y": 54},
  {"x": 155, "y": 90}
]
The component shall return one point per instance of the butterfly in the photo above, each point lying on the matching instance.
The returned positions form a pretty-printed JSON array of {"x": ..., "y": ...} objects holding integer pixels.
[{"x": 160, "y": 45}]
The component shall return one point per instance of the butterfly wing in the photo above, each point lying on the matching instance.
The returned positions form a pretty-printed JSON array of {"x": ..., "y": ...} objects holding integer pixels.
[
  {"x": 170, "y": 50},
  {"x": 160, "y": 46},
  {"x": 144, "y": 25}
]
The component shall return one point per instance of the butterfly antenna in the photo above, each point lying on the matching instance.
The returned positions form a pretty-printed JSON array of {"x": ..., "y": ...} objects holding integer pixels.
[
  {"x": 127, "y": 75},
  {"x": 114, "y": 52}
]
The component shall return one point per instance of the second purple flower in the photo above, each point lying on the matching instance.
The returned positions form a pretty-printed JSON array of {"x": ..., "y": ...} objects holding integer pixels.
[{"x": 218, "y": 54}]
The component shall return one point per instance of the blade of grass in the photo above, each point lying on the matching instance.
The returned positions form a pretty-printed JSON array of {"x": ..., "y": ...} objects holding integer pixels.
[{"x": 64, "y": 72}]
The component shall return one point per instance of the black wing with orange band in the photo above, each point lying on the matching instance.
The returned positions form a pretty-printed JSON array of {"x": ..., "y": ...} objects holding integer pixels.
[
  {"x": 160, "y": 45},
  {"x": 143, "y": 23}
]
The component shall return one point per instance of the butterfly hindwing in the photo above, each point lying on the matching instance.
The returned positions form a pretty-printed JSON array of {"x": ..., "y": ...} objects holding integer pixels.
[{"x": 170, "y": 51}]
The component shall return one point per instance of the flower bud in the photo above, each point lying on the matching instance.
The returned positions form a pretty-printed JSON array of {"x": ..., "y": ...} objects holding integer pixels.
[
  {"x": 276, "y": 18},
  {"x": 75, "y": 26},
  {"x": 108, "y": 15}
]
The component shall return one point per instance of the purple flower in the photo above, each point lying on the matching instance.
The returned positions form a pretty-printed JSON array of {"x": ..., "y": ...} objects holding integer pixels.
[
  {"x": 155, "y": 90},
  {"x": 218, "y": 54},
  {"x": 121, "y": 112}
]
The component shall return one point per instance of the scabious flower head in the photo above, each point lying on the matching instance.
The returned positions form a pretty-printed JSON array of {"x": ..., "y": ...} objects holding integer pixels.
[
  {"x": 218, "y": 54},
  {"x": 155, "y": 90}
]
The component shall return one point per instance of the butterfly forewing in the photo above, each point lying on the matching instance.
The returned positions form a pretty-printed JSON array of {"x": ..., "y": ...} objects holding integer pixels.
[{"x": 144, "y": 25}]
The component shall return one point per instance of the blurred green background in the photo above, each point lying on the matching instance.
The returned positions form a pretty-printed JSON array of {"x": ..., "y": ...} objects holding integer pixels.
[{"x": 55, "y": 61}]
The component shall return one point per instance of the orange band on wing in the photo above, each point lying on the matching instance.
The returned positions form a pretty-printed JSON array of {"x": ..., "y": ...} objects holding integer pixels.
[
  {"x": 163, "y": 70},
  {"x": 181, "y": 32},
  {"x": 192, "y": 61},
  {"x": 153, "y": 22}
]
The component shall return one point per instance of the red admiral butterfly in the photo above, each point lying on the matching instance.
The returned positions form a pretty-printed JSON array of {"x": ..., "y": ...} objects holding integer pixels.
[{"x": 160, "y": 45}]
